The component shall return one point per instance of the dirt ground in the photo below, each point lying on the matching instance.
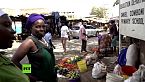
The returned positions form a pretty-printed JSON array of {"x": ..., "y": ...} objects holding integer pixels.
[{"x": 73, "y": 48}]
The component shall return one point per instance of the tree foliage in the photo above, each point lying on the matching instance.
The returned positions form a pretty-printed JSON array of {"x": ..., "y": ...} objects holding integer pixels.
[{"x": 99, "y": 12}]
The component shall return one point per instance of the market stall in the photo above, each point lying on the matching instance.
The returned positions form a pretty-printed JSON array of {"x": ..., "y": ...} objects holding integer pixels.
[
  {"x": 69, "y": 68},
  {"x": 75, "y": 69},
  {"x": 131, "y": 66}
]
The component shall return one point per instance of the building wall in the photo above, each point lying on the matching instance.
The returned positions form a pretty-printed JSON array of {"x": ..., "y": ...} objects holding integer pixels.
[
  {"x": 35, "y": 10},
  {"x": 69, "y": 15}
]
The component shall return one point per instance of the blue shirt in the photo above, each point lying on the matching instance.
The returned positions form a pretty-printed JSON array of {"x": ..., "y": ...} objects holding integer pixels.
[{"x": 48, "y": 37}]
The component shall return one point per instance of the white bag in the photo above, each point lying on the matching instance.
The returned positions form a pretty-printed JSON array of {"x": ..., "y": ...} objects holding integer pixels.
[
  {"x": 94, "y": 55},
  {"x": 91, "y": 57},
  {"x": 117, "y": 70},
  {"x": 114, "y": 78},
  {"x": 99, "y": 70},
  {"x": 132, "y": 55},
  {"x": 129, "y": 80}
]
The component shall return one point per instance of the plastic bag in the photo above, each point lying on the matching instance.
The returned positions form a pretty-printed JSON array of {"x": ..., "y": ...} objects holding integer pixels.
[
  {"x": 122, "y": 57},
  {"x": 91, "y": 57},
  {"x": 114, "y": 78},
  {"x": 99, "y": 70},
  {"x": 138, "y": 76},
  {"x": 117, "y": 70},
  {"x": 132, "y": 55}
]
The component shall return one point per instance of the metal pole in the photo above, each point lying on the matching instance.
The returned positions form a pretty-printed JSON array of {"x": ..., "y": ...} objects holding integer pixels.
[
  {"x": 120, "y": 42},
  {"x": 120, "y": 45}
]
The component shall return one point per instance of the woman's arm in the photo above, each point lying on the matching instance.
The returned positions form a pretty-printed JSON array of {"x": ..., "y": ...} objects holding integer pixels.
[
  {"x": 21, "y": 52},
  {"x": 50, "y": 42},
  {"x": 68, "y": 32}
]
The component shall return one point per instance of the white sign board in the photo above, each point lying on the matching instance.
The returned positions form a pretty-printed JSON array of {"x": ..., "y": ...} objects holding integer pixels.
[{"x": 132, "y": 18}]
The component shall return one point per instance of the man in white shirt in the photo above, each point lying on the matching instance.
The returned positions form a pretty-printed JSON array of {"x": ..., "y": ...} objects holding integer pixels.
[{"x": 64, "y": 35}]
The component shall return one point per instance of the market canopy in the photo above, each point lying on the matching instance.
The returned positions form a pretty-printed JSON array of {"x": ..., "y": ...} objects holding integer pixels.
[{"x": 116, "y": 2}]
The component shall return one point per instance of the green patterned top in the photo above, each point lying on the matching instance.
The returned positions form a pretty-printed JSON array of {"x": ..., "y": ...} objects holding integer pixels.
[
  {"x": 42, "y": 62},
  {"x": 10, "y": 72}
]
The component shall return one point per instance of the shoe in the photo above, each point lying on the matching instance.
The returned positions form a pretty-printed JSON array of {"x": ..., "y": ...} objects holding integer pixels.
[{"x": 83, "y": 51}]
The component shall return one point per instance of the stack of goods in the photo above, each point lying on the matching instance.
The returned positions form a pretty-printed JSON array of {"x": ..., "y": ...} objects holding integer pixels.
[
  {"x": 104, "y": 43},
  {"x": 127, "y": 73}
]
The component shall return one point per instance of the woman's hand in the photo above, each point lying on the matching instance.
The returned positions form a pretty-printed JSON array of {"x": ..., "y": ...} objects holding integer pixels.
[{"x": 53, "y": 47}]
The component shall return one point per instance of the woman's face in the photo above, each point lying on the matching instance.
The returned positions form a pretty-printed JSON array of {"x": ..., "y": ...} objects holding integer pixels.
[
  {"x": 38, "y": 28},
  {"x": 6, "y": 32}
]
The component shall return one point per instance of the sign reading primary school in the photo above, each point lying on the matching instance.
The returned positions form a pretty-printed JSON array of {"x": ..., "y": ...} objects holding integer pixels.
[{"x": 132, "y": 18}]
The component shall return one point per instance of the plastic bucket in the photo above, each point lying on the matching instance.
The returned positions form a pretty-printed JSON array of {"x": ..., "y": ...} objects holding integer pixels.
[
  {"x": 82, "y": 65},
  {"x": 114, "y": 78},
  {"x": 128, "y": 70}
]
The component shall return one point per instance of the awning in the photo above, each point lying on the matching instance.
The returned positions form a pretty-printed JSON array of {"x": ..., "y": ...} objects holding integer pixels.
[{"x": 116, "y": 2}]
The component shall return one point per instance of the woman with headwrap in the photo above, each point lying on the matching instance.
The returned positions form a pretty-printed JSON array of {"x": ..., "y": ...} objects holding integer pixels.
[
  {"x": 40, "y": 57},
  {"x": 8, "y": 71}
]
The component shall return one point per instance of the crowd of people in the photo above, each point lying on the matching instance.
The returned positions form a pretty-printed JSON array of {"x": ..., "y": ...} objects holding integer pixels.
[{"x": 38, "y": 48}]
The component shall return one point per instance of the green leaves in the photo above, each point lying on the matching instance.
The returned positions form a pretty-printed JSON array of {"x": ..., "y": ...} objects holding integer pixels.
[
  {"x": 73, "y": 75},
  {"x": 100, "y": 12}
]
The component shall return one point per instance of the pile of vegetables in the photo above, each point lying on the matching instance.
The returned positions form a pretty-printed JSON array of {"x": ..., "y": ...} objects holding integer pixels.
[
  {"x": 68, "y": 67},
  {"x": 73, "y": 75}
]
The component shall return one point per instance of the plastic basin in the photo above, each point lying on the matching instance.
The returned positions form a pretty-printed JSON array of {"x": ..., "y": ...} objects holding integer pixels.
[{"x": 128, "y": 70}]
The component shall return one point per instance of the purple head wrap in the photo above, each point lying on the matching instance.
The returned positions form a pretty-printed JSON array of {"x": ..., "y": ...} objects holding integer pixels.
[{"x": 31, "y": 19}]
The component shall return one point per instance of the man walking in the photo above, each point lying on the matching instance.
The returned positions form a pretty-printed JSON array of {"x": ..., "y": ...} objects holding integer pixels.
[{"x": 82, "y": 37}]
